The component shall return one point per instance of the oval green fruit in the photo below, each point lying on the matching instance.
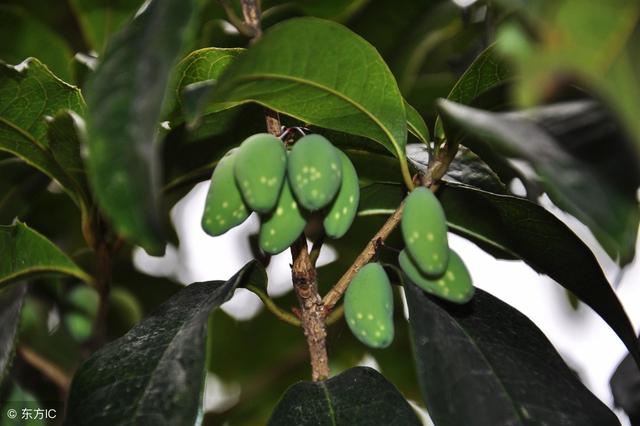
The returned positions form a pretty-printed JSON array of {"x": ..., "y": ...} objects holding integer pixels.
[
  {"x": 368, "y": 306},
  {"x": 344, "y": 208},
  {"x": 283, "y": 225},
  {"x": 260, "y": 167},
  {"x": 314, "y": 171},
  {"x": 224, "y": 207},
  {"x": 455, "y": 285},
  {"x": 424, "y": 229}
]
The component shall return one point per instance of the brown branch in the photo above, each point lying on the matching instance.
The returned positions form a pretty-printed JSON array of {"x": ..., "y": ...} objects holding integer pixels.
[
  {"x": 303, "y": 274},
  {"x": 48, "y": 369},
  {"x": 369, "y": 251},
  {"x": 303, "y": 271}
]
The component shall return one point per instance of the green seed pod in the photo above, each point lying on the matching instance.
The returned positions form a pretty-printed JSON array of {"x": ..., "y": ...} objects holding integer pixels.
[
  {"x": 344, "y": 208},
  {"x": 368, "y": 306},
  {"x": 314, "y": 171},
  {"x": 260, "y": 167},
  {"x": 455, "y": 285},
  {"x": 224, "y": 207},
  {"x": 424, "y": 229},
  {"x": 283, "y": 225}
]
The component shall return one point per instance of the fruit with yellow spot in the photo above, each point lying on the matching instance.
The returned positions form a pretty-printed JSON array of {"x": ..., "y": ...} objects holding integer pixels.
[
  {"x": 314, "y": 171},
  {"x": 283, "y": 225},
  {"x": 454, "y": 285},
  {"x": 260, "y": 167},
  {"x": 424, "y": 229},
  {"x": 345, "y": 206},
  {"x": 224, "y": 207},
  {"x": 368, "y": 306}
]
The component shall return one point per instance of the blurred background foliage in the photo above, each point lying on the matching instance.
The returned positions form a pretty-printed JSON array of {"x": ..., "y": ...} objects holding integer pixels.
[{"x": 552, "y": 46}]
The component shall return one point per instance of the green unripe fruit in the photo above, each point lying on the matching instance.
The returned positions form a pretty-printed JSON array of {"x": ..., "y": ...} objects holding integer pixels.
[
  {"x": 314, "y": 171},
  {"x": 455, "y": 285},
  {"x": 283, "y": 225},
  {"x": 424, "y": 229},
  {"x": 260, "y": 167},
  {"x": 85, "y": 300},
  {"x": 224, "y": 207},
  {"x": 344, "y": 208},
  {"x": 368, "y": 306},
  {"x": 79, "y": 325}
]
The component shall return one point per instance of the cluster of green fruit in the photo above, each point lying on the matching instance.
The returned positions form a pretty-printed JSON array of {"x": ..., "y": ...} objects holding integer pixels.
[
  {"x": 426, "y": 261},
  {"x": 283, "y": 188}
]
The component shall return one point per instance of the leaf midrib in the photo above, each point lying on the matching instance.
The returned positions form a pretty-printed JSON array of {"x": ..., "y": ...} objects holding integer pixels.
[{"x": 355, "y": 104}]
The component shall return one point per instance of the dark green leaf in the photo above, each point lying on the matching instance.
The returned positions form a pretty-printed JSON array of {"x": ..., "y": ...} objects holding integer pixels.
[
  {"x": 582, "y": 157},
  {"x": 124, "y": 99},
  {"x": 347, "y": 87},
  {"x": 31, "y": 93},
  {"x": 29, "y": 38},
  {"x": 359, "y": 396},
  {"x": 19, "y": 183},
  {"x": 26, "y": 253},
  {"x": 154, "y": 374},
  {"x": 484, "y": 363},
  {"x": 485, "y": 73},
  {"x": 625, "y": 383},
  {"x": 100, "y": 19},
  {"x": 533, "y": 234},
  {"x": 11, "y": 300}
]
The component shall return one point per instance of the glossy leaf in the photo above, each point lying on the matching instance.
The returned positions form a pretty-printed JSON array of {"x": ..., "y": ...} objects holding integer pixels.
[
  {"x": 124, "y": 99},
  {"x": 26, "y": 253},
  {"x": 28, "y": 36},
  {"x": 485, "y": 363},
  {"x": 347, "y": 87},
  {"x": 359, "y": 396},
  {"x": 485, "y": 73},
  {"x": 466, "y": 168},
  {"x": 533, "y": 234},
  {"x": 11, "y": 300},
  {"x": 164, "y": 360},
  {"x": 570, "y": 146}
]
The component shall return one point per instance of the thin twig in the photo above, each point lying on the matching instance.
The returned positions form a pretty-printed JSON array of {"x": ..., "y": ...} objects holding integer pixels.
[
  {"x": 46, "y": 367},
  {"x": 281, "y": 314},
  {"x": 236, "y": 21},
  {"x": 335, "y": 315},
  {"x": 370, "y": 250}
]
